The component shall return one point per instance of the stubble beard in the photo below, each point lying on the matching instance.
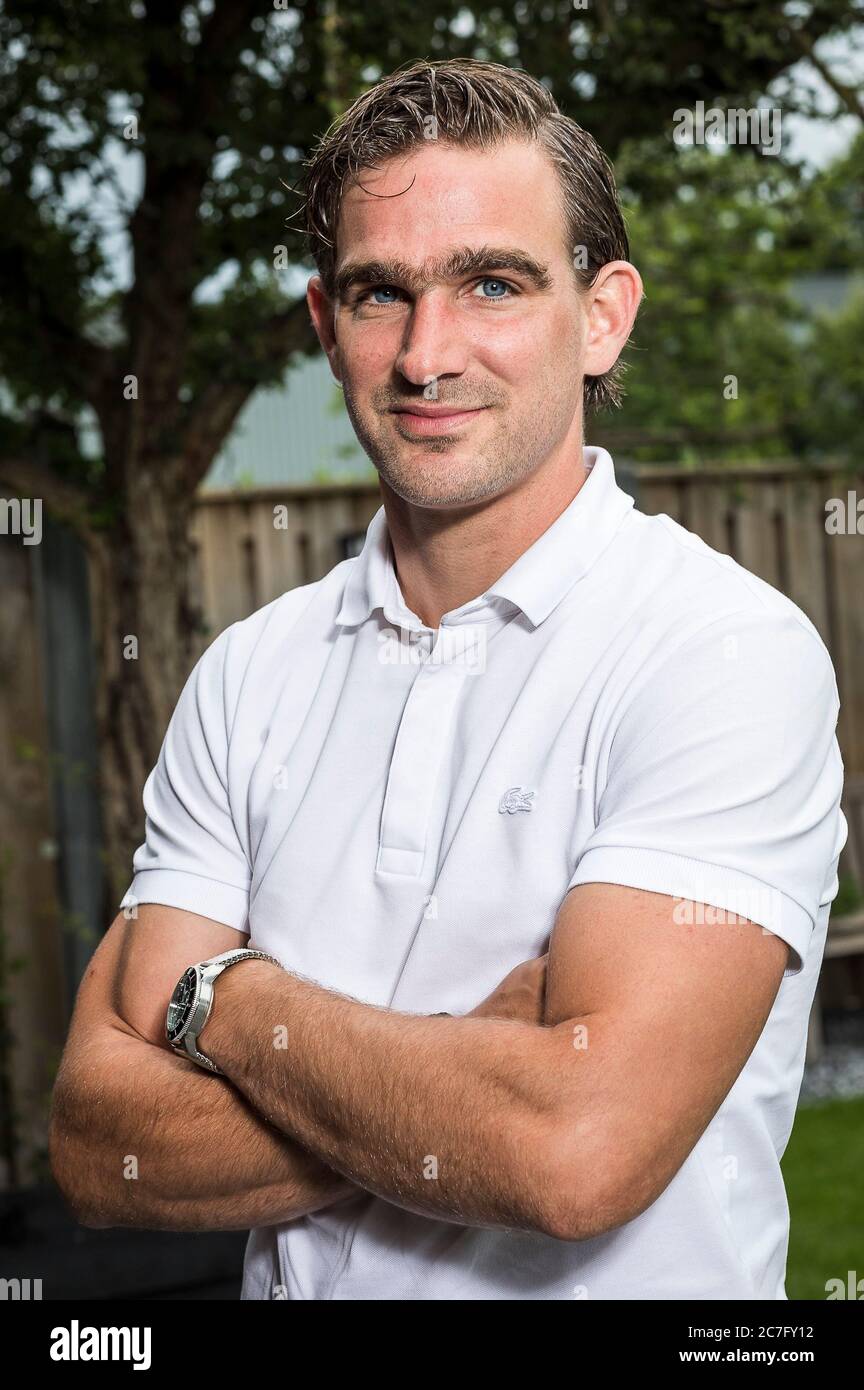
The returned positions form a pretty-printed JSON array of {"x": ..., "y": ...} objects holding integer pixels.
[{"x": 428, "y": 474}]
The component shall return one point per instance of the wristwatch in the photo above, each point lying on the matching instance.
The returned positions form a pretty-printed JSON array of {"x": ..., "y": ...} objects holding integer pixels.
[{"x": 192, "y": 1002}]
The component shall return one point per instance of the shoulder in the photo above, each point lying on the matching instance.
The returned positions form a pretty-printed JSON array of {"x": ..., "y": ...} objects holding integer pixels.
[
  {"x": 261, "y": 637},
  {"x": 253, "y": 653},
  {"x": 699, "y": 587},
  {"x": 707, "y": 629}
]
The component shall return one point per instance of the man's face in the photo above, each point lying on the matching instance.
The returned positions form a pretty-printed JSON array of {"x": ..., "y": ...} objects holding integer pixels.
[{"x": 505, "y": 342}]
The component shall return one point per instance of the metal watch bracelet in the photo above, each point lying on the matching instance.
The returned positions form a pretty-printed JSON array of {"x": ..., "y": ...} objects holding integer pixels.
[{"x": 188, "y": 1044}]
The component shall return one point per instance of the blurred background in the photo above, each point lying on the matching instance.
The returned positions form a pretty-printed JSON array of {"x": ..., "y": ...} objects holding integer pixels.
[{"x": 174, "y": 452}]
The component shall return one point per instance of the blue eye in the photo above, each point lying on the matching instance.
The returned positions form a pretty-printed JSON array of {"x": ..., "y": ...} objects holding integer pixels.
[
  {"x": 490, "y": 280},
  {"x": 384, "y": 289}
]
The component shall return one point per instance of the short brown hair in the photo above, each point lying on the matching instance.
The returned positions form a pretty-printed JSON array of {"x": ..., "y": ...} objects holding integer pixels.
[{"x": 477, "y": 105}]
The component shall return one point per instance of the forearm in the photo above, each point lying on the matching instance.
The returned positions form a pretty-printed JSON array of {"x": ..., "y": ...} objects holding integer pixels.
[
  {"x": 452, "y": 1118},
  {"x": 141, "y": 1137}
]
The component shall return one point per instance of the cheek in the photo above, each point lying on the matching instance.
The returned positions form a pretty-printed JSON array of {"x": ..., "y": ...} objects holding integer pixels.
[
  {"x": 531, "y": 350},
  {"x": 569, "y": 330},
  {"x": 368, "y": 350}
]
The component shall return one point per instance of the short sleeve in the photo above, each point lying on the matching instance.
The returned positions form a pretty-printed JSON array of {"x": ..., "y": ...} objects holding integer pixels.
[
  {"x": 724, "y": 779},
  {"x": 192, "y": 856}
]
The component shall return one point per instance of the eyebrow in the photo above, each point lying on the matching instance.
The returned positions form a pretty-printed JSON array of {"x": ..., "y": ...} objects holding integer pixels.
[{"x": 456, "y": 264}]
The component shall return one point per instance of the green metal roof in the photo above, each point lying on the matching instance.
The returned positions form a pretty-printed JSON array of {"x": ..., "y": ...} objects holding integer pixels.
[{"x": 296, "y": 433}]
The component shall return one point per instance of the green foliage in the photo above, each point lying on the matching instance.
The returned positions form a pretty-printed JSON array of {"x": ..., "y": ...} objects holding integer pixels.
[
  {"x": 837, "y": 382},
  {"x": 230, "y": 98},
  {"x": 822, "y": 1171},
  {"x": 718, "y": 258},
  {"x": 849, "y": 897}
]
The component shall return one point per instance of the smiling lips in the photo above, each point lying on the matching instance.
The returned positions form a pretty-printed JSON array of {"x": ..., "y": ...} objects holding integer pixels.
[{"x": 435, "y": 419}]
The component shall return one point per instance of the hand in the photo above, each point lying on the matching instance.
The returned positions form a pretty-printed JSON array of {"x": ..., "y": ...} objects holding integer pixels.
[{"x": 520, "y": 995}]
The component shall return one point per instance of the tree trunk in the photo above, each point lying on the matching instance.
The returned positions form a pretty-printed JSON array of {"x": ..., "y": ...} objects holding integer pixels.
[{"x": 144, "y": 630}]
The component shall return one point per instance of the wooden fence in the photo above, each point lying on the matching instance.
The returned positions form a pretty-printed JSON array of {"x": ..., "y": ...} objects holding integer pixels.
[{"x": 249, "y": 547}]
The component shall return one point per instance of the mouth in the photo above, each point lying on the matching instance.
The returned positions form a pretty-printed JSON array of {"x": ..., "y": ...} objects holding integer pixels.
[{"x": 441, "y": 419}]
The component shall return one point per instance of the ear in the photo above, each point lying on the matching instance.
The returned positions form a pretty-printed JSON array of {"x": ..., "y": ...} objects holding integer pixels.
[
  {"x": 321, "y": 311},
  {"x": 613, "y": 302}
]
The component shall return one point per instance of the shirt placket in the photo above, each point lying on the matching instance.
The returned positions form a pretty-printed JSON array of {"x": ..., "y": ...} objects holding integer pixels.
[{"x": 421, "y": 742}]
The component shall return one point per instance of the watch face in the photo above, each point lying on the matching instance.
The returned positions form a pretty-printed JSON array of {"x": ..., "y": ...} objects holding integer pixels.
[{"x": 182, "y": 1003}]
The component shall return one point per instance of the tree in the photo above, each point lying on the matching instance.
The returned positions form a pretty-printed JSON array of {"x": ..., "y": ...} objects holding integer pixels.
[
  {"x": 214, "y": 105},
  {"x": 725, "y": 359}
]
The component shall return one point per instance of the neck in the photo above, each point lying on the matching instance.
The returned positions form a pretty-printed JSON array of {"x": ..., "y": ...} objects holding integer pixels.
[{"x": 447, "y": 556}]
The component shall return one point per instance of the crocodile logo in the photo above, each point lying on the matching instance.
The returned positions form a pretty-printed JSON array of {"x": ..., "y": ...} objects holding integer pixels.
[{"x": 516, "y": 799}]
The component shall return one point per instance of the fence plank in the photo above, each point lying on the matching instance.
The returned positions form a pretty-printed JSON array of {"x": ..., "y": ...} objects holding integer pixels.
[{"x": 802, "y": 502}]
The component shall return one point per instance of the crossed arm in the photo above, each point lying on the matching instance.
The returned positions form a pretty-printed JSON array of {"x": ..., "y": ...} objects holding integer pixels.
[
  {"x": 141, "y": 1137},
  {"x": 571, "y": 1126}
]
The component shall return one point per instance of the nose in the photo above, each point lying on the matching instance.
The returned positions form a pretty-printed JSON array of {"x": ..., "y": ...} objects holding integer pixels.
[{"x": 433, "y": 346}]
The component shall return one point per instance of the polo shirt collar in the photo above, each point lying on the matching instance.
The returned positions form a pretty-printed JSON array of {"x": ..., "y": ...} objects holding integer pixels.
[{"x": 535, "y": 583}]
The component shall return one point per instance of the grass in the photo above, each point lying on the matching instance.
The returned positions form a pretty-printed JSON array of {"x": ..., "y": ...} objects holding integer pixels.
[{"x": 823, "y": 1168}]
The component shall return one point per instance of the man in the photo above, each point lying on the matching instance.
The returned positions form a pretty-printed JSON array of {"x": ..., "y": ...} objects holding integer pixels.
[{"x": 528, "y": 733}]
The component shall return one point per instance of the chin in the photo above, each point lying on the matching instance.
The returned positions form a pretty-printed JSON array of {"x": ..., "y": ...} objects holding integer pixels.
[
  {"x": 445, "y": 485},
  {"x": 440, "y": 494}
]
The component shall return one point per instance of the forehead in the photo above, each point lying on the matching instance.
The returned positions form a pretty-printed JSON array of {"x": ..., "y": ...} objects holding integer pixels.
[{"x": 437, "y": 194}]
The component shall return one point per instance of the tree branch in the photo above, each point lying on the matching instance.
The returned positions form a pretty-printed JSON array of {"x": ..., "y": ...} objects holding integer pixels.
[
  {"x": 224, "y": 27},
  {"x": 850, "y": 97},
  {"x": 216, "y": 407}
]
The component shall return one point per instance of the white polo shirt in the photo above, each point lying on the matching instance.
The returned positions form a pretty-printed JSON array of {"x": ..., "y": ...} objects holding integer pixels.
[{"x": 398, "y": 814}]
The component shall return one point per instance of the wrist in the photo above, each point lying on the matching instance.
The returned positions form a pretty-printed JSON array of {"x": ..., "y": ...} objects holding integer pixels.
[{"x": 234, "y": 994}]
